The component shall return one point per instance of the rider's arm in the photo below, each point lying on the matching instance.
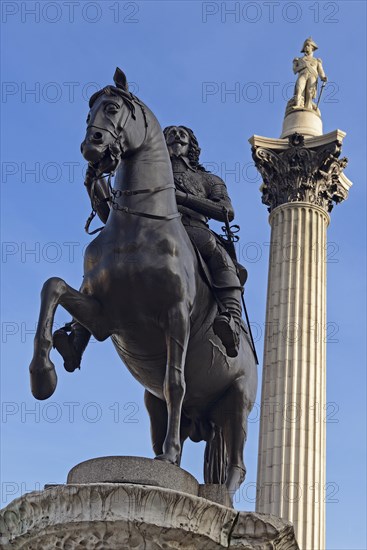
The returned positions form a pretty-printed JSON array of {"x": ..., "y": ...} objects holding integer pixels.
[
  {"x": 215, "y": 206},
  {"x": 219, "y": 194},
  {"x": 320, "y": 70}
]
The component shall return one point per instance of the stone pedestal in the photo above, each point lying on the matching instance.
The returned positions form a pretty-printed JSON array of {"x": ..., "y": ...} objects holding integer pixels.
[
  {"x": 129, "y": 516},
  {"x": 132, "y": 516},
  {"x": 302, "y": 179},
  {"x": 303, "y": 121}
]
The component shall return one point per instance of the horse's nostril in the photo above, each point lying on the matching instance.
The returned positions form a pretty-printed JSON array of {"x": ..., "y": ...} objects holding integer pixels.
[{"x": 97, "y": 136}]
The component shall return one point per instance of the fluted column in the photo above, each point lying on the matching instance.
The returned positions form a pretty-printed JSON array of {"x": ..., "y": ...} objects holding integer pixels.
[
  {"x": 302, "y": 179},
  {"x": 292, "y": 476}
]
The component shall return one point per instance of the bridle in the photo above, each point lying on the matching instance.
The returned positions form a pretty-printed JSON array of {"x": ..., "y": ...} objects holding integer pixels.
[{"x": 116, "y": 151}]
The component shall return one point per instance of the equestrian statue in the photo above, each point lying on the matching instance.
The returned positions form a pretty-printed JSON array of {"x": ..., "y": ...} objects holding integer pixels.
[{"x": 160, "y": 284}]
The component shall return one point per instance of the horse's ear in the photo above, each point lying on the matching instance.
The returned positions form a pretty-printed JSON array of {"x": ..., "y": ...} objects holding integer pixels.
[{"x": 120, "y": 79}]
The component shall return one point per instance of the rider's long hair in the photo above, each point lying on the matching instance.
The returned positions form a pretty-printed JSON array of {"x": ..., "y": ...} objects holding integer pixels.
[{"x": 194, "y": 149}]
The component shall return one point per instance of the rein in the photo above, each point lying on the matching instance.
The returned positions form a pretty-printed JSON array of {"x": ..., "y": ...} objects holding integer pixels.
[
  {"x": 114, "y": 194},
  {"x": 95, "y": 201},
  {"x": 130, "y": 192}
]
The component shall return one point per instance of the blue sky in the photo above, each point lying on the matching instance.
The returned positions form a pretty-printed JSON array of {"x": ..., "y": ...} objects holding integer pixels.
[{"x": 225, "y": 70}]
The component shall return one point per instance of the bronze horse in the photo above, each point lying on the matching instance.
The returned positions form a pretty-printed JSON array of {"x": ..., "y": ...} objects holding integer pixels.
[{"x": 144, "y": 288}]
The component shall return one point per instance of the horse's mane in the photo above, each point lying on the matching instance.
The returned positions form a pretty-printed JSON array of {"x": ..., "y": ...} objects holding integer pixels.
[{"x": 194, "y": 149}]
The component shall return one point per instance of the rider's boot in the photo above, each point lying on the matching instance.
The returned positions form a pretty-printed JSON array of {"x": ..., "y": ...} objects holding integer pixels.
[
  {"x": 71, "y": 341},
  {"x": 227, "y": 324}
]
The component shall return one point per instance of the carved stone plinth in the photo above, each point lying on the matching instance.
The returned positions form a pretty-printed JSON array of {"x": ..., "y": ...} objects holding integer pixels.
[
  {"x": 302, "y": 121},
  {"x": 302, "y": 178},
  {"x": 133, "y": 469},
  {"x": 129, "y": 516},
  {"x": 145, "y": 471}
]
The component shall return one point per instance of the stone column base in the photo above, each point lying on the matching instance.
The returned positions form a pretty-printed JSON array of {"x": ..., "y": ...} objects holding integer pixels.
[
  {"x": 119, "y": 516},
  {"x": 302, "y": 121}
]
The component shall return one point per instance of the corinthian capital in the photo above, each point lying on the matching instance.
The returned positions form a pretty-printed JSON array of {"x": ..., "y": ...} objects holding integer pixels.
[{"x": 299, "y": 169}]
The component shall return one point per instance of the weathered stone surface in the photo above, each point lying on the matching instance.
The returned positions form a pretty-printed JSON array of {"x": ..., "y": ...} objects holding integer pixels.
[
  {"x": 129, "y": 516},
  {"x": 134, "y": 469},
  {"x": 216, "y": 493},
  {"x": 260, "y": 531}
]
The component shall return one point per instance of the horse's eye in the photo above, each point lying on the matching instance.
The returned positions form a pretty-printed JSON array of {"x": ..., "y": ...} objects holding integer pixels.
[
  {"x": 88, "y": 119},
  {"x": 111, "y": 108}
]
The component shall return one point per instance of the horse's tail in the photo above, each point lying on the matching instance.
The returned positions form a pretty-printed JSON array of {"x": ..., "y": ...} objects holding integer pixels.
[{"x": 215, "y": 458}]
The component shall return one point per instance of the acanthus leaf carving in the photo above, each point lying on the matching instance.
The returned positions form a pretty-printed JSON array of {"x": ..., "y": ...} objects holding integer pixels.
[{"x": 300, "y": 173}]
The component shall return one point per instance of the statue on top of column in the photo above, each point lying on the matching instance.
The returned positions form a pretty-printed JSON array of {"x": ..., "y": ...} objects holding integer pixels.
[{"x": 309, "y": 69}]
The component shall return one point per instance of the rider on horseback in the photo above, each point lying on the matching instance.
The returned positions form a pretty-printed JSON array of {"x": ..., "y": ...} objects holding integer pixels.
[{"x": 200, "y": 196}]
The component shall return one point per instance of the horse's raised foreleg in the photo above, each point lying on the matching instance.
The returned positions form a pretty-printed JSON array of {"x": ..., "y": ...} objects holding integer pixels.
[
  {"x": 177, "y": 337},
  {"x": 86, "y": 309}
]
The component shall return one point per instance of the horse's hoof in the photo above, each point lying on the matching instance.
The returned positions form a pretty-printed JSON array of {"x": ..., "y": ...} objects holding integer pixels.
[
  {"x": 43, "y": 379},
  {"x": 171, "y": 459},
  {"x": 236, "y": 476}
]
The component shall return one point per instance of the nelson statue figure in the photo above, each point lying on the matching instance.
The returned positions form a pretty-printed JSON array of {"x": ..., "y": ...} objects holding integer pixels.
[{"x": 200, "y": 196}]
